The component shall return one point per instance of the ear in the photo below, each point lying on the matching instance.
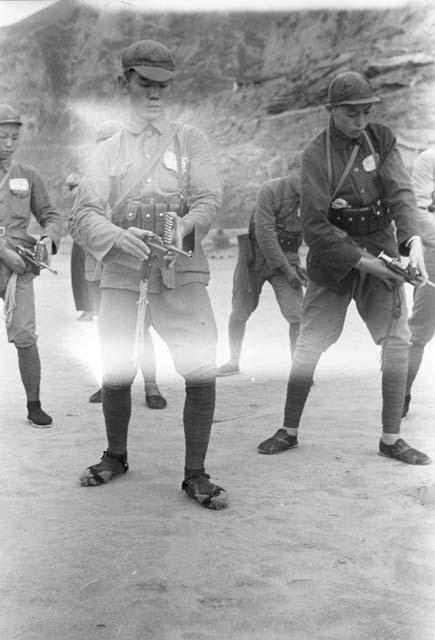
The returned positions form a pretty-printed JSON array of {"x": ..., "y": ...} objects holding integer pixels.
[{"x": 123, "y": 85}]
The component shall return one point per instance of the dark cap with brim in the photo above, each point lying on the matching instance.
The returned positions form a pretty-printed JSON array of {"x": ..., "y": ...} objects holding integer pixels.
[
  {"x": 150, "y": 59},
  {"x": 350, "y": 88},
  {"x": 8, "y": 115},
  {"x": 157, "y": 74}
]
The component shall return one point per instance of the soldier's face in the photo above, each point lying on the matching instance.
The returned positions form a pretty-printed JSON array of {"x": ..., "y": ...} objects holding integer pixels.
[
  {"x": 9, "y": 135},
  {"x": 351, "y": 119},
  {"x": 147, "y": 97}
]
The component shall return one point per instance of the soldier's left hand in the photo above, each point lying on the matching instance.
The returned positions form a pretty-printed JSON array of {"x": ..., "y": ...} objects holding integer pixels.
[
  {"x": 47, "y": 243},
  {"x": 416, "y": 257}
]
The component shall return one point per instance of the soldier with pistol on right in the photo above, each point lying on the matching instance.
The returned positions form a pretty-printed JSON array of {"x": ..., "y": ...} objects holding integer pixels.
[{"x": 354, "y": 186}]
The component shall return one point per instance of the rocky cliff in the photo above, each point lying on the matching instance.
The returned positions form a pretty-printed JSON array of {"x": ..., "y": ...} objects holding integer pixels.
[{"x": 255, "y": 82}]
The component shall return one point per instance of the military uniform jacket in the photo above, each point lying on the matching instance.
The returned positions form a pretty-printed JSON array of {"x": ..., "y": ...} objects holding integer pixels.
[
  {"x": 23, "y": 193},
  {"x": 333, "y": 254},
  {"x": 109, "y": 174},
  {"x": 277, "y": 207}
]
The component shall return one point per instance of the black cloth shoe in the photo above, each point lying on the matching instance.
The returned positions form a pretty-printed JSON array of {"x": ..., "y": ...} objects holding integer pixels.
[
  {"x": 406, "y": 405},
  {"x": 37, "y": 417},
  {"x": 208, "y": 495},
  {"x": 156, "y": 401},
  {"x": 280, "y": 441},
  {"x": 110, "y": 466},
  {"x": 227, "y": 369},
  {"x": 400, "y": 450},
  {"x": 96, "y": 397}
]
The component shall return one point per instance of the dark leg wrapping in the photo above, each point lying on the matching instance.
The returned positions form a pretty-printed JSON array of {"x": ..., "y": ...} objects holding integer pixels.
[
  {"x": 117, "y": 412},
  {"x": 299, "y": 385},
  {"x": 236, "y": 333},
  {"x": 30, "y": 370},
  {"x": 198, "y": 417},
  {"x": 415, "y": 359},
  {"x": 293, "y": 332},
  {"x": 394, "y": 371}
]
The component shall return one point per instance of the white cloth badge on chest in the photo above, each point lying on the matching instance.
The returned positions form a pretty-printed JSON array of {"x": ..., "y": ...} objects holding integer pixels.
[
  {"x": 170, "y": 161},
  {"x": 19, "y": 186},
  {"x": 369, "y": 163}
]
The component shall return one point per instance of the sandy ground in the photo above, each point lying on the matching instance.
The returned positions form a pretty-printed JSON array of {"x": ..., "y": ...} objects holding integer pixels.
[{"x": 327, "y": 541}]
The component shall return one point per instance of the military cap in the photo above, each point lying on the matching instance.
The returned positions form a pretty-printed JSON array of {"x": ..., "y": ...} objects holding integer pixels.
[
  {"x": 150, "y": 59},
  {"x": 8, "y": 115},
  {"x": 107, "y": 129},
  {"x": 352, "y": 88}
]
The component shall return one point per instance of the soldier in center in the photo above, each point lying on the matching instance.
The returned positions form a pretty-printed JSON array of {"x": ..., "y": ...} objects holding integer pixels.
[{"x": 152, "y": 168}]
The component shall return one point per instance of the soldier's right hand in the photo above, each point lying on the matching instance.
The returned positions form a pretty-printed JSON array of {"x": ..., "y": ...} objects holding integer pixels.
[
  {"x": 376, "y": 267},
  {"x": 131, "y": 241},
  {"x": 293, "y": 277},
  {"x": 12, "y": 260}
]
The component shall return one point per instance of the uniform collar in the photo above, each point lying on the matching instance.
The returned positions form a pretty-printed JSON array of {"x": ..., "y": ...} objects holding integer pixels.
[
  {"x": 135, "y": 124},
  {"x": 340, "y": 140},
  {"x": 5, "y": 166}
]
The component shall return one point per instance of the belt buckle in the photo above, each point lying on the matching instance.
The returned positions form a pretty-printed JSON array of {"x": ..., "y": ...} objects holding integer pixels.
[{"x": 2, "y": 231}]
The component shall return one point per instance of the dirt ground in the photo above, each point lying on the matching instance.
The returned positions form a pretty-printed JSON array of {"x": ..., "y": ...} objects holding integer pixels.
[{"x": 329, "y": 541}]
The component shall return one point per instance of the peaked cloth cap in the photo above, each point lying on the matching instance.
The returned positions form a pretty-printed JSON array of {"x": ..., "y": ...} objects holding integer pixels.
[
  {"x": 8, "y": 115},
  {"x": 350, "y": 87},
  {"x": 150, "y": 59}
]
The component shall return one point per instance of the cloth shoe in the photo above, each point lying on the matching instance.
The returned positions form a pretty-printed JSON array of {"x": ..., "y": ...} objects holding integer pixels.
[
  {"x": 208, "y": 495},
  {"x": 37, "y": 417},
  {"x": 96, "y": 397},
  {"x": 227, "y": 369},
  {"x": 280, "y": 441},
  {"x": 110, "y": 466},
  {"x": 156, "y": 401},
  {"x": 401, "y": 450}
]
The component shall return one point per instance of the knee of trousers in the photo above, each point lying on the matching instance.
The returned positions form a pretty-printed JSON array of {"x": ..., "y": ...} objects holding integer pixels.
[
  {"x": 201, "y": 377},
  {"x": 23, "y": 340}
]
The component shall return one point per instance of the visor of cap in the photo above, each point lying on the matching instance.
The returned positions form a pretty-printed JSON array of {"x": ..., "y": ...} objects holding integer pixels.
[
  {"x": 356, "y": 101},
  {"x": 8, "y": 115},
  {"x": 157, "y": 74}
]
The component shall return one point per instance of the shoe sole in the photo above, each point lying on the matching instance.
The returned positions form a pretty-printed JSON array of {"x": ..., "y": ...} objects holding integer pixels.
[
  {"x": 272, "y": 453},
  {"x": 230, "y": 373},
  {"x": 422, "y": 464},
  {"x": 40, "y": 426}
]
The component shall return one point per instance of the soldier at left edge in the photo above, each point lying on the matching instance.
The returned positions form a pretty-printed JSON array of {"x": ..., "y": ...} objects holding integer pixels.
[{"x": 22, "y": 194}]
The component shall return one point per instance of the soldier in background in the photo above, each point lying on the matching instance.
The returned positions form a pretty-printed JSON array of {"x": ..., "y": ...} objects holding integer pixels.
[
  {"x": 23, "y": 194},
  {"x": 152, "y": 171},
  {"x": 422, "y": 320},
  {"x": 268, "y": 253},
  {"x": 93, "y": 271}
]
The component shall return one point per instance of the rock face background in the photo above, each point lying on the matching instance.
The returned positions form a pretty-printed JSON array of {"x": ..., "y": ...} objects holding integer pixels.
[{"x": 255, "y": 82}]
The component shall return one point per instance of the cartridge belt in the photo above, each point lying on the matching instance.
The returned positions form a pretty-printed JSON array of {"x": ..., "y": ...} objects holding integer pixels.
[{"x": 361, "y": 221}]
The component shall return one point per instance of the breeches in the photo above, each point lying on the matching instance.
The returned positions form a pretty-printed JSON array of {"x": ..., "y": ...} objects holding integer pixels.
[
  {"x": 22, "y": 331},
  {"x": 247, "y": 286},
  {"x": 183, "y": 318},
  {"x": 324, "y": 313}
]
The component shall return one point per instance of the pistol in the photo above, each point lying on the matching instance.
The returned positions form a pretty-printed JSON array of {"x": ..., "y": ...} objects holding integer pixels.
[
  {"x": 410, "y": 273},
  {"x": 32, "y": 258}
]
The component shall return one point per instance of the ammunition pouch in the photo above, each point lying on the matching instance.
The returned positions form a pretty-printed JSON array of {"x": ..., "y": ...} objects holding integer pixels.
[
  {"x": 149, "y": 214},
  {"x": 289, "y": 241},
  {"x": 363, "y": 220}
]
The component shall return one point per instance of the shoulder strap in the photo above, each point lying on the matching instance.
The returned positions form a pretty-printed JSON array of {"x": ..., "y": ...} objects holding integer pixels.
[
  {"x": 347, "y": 168},
  {"x": 143, "y": 170}
]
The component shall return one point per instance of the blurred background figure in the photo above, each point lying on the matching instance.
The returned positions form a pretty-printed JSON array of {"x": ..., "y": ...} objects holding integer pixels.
[
  {"x": 82, "y": 297},
  {"x": 422, "y": 320}
]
